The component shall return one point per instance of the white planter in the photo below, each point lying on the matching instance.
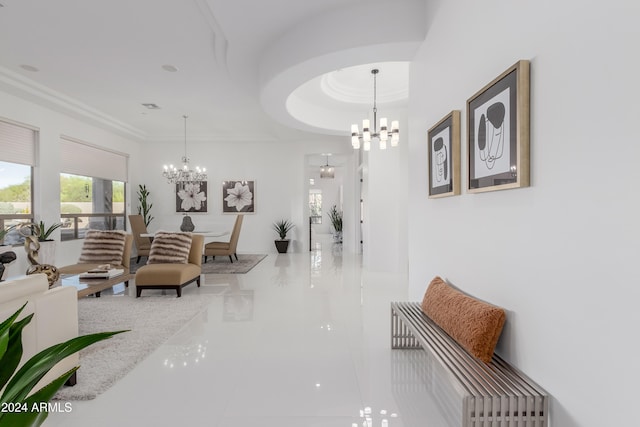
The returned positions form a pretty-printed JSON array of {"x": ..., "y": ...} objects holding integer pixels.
[{"x": 47, "y": 252}]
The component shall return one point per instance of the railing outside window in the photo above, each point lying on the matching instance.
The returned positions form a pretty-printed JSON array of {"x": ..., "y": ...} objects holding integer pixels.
[{"x": 75, "y": 226}]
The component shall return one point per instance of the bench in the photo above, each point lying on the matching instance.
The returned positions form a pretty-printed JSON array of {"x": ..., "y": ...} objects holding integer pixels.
[{"x": 488, "y": 394}]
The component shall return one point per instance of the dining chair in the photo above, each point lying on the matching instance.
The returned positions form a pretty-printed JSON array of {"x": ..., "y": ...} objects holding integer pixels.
[
  {"x": 225, "y": 248},
  {"x": 143, "y": 244}
]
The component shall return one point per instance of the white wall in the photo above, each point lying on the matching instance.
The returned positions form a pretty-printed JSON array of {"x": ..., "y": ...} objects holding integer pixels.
[
  {"x": 560, "y": 255},
  {"x": 46, "y": 190}
]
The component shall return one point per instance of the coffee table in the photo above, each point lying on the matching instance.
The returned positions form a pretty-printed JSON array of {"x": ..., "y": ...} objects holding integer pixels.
[{"x": 87, "y": 287}]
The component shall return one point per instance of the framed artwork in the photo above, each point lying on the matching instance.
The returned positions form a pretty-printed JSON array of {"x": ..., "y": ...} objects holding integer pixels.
[
  {"x": 238, "y": 196},
  {"x": 444, "y": 156},
  {"x": 498, "y": 132},
  {"x": 191, "y": 196}
]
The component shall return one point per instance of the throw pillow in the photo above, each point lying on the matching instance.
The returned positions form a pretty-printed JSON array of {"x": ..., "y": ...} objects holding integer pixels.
[
  {"x": 103, "y": 247},
  {"x": 474, "y": 324},
  {"x": 170, "y": 248}
]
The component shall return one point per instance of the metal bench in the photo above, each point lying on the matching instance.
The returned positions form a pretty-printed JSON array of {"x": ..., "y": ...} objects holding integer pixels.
[{"x": 494, "y": 394}]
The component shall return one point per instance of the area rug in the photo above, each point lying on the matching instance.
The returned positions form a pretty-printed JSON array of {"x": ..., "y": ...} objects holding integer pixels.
[
  {"x": 219, "y": 265},
  {"x": 152, "y": 320}
]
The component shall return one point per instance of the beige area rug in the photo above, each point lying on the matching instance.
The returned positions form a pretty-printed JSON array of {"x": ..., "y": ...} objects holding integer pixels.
[
  {"x": 220, "y": 265},
  {"x": 151, "y": 319}
]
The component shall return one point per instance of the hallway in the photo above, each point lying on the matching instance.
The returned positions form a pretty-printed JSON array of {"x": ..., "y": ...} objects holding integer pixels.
[{"x": 300, "y": 340}]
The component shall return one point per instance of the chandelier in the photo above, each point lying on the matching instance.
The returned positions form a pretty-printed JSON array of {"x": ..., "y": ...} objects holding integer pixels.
[
  {"x": 385, "y": 133},
  {"x": 327, "y": 171},
  {"x": 185, "y": 173}
]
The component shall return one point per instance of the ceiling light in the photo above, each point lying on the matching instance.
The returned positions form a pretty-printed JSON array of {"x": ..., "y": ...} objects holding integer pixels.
[
  {"x": 327, "y": 171},
  {"x": 185, "y": 173},
  {"x": 385, "y": 133},
  {"x": 151, "y": 106}
]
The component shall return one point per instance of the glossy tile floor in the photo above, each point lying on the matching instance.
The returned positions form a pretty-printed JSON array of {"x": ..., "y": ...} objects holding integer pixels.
[{"x": 301, "y": 340}]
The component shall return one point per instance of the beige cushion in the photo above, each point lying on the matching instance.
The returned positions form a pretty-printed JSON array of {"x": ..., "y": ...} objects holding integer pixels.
[
  {"x": 474, "y": 324},
  {"x": 170, "y": 248},
  {"x": 103, "y": 247},
  {"x": 166, "y": 274}
]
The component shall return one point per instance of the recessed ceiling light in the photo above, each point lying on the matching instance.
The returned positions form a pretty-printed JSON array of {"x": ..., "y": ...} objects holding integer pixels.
[
  {"x": 170, "y": 68},
  {"x": 151, "y": 106},
  {"x": 29, "y": 68}
]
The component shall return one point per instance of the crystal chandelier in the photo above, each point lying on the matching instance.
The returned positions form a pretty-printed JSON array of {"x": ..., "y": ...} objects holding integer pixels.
[
  {"x": 185, "y": 173},
  {"x": 385, "y": 133}
]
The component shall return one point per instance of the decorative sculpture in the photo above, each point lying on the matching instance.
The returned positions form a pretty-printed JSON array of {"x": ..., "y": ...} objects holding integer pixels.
[
  {"x": 187, "y": 224},
  {"x": 6, "y": 258},
  {"x": 32, "y": 246}
]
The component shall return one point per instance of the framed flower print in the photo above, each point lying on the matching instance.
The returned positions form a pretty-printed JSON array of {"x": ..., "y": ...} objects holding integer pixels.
[
  {"x": 191, "y": 196},
  {"x": 238, "y": 196}
]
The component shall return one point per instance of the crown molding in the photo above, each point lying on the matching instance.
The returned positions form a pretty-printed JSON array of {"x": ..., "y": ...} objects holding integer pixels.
[{"x": 30, "y": 90}]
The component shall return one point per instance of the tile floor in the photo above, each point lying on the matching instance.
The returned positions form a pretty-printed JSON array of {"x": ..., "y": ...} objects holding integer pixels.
[{"x": 301, "y": 340}]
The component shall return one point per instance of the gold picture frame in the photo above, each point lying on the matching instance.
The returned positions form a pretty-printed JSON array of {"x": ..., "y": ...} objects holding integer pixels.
[
  {"x": 443, "y": 142},
  {"x": 498, "y": 132}
]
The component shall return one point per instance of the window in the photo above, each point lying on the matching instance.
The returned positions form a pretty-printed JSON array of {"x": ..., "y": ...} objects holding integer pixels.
[
  {"x": 315, "y": 206},
  {"x": 88, "y": 203},
  {"x": 92, "y": 189},
  {"x": 17, "y": 158}
]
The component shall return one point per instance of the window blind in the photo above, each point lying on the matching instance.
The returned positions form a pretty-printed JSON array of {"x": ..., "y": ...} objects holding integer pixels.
[
  {"x": 17, "y": 143},
  {"x": 81, "y": 158}
]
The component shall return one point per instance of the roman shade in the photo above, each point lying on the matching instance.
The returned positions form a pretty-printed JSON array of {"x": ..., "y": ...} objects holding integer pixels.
[
  {"x": 18, "y": 143},
  {"x": 81, "y": 158}
]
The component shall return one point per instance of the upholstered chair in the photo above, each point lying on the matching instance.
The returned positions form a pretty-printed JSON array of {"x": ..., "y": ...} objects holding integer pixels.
[
  {"x": 165, "y": 270},
  {"x": 225, "y": 248},
  {"x": 143, "y": 244}
]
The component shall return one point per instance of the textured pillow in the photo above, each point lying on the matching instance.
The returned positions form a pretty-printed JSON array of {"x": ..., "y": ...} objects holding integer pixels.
[
  {"x": 170, "y": 248},
  {"x": 103, "y": 247},
  {"x": 474, "y": 324}
]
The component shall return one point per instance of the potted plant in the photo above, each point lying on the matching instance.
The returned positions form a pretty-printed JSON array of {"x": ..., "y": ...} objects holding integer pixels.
[
  {"x": 46, "y": 246},
  {"x": 18, "y": 385},
  {"x": 282, "y": 227},
  {"x": 144, "y": 208},
  {"x": 4, "y": 232},
  {"x": 42, "y": 232},
  {"x": 335, "y": 216}
]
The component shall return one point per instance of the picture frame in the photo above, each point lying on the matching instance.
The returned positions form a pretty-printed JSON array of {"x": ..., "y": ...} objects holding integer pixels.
[
  {"x": 191, "y": 196},
  {"x": 443, "y": 142},
  {"x": 238, "y": 196},
  {"x": 498, "y": 131}
]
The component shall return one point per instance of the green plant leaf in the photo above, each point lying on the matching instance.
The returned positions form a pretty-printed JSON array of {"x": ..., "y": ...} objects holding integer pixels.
[
  {"x": 44, "y": 395},
  {"x": 35, "y": 368},
  {"x": 11, "y": 358},
  {"x": 5, "y": 328}
]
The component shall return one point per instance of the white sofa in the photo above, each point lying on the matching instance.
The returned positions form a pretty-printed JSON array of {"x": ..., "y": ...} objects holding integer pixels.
[{"x": 55, "y": 318}]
